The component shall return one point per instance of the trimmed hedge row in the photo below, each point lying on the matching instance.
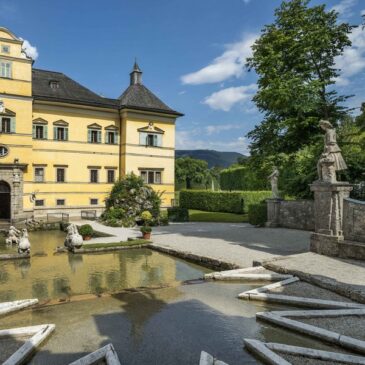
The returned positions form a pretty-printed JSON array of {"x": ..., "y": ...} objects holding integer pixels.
[
  {"x": 240, "y": 178},
  {"x": 229, "y": 202},
  {"x": 257, "y": 214},
  {"x": 178, "y": 214}
]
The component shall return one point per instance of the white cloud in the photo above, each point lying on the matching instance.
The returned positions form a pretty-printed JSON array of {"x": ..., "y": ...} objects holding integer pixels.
[
  {"x": 30, "y": 51},
  {"x": 218, "y": 128},
  {"x": 187, "y": 140},
  {"x": 352, "y": 61},
  {"x": 345, "y": 8},
  {"x": 362, "y": 12},
  {"x": 226, "y": 98},
  {"x": 230, "y": 63}
]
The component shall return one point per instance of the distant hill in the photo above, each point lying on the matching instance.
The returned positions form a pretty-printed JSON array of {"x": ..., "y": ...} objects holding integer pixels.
[{"x": 214, "y": 158}]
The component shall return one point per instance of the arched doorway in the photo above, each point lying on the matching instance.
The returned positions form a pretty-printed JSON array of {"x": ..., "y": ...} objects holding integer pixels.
[{"x": 4, "y": 200}]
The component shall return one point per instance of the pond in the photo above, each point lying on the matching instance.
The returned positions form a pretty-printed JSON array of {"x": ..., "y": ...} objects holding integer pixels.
[{"x": 47, "y": 276}]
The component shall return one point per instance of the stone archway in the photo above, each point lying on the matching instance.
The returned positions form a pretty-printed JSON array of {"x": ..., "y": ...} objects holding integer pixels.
[{"x": 5, "y": 200}]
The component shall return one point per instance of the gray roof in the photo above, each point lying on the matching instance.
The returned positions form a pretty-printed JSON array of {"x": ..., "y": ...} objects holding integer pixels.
[
  {"x": 137, "y": 96},
  {"x": 69, "y": 91}
]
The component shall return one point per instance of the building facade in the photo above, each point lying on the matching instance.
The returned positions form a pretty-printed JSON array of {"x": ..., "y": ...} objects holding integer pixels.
[{"x": 62, "y": 146}]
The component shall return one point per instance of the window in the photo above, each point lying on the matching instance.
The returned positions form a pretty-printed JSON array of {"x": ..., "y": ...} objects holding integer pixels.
[
  {"x": 150, "y": 139},
  {"x": 94, "y": 176},
  {"x": 151, "y": 176},
  {"x": 60, "y": 201},
  {"x": 39, "y": 174},
  {"x": 39, "y": 203},
  {"x": 5, "y": 49},
  {"x": 5, "y": 125},
  {"x": 5, "y": 69},
  {"x": 3, "y": 151},
  {"x": 60, "y": 133},
  {"x": 39, "y": 131},
  {"x": 94, "y": 201},
  {"x": 111, "y": 176},
  {"x": 54, "y": 84},
  {"x": 94, "y": 136},
  {"x": 111, "y": 138},
  {"x": 60, "y": 175}
]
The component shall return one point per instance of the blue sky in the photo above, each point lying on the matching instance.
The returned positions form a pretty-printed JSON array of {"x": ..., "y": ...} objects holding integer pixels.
[{"x": 192, "y": 53}]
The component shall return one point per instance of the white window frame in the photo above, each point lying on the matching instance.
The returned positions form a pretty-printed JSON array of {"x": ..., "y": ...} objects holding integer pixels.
[
  {"x": 35, "y": 175},
  {"x": 6, "y": 69},
  {"x": 147, "y": 173}
]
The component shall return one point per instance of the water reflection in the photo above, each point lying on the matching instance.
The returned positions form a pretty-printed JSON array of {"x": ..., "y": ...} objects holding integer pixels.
[{"x": 49, "y": 276}]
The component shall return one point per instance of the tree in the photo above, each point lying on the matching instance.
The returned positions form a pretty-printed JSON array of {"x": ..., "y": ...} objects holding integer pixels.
[
  {"x": 189, "y": 170},
  {"x": 295, "y": 62}
]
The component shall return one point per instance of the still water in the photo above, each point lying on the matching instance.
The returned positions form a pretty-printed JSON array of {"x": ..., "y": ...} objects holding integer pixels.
[{"x": 48, "y": 276}]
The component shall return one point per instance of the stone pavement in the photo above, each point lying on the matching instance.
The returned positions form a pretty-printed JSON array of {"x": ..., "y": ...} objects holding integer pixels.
[
  {"x": 345, "y": 277},
  {"x": 239, "y": 245}
]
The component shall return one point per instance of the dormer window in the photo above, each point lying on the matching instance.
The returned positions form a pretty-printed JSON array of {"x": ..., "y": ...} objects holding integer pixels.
[{"x": 54, "y": 84}]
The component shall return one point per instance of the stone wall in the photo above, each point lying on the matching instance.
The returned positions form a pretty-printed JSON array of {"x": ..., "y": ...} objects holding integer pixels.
[
  {"x": 295, "y": 214},
  {"x": 354, "y": 220}
]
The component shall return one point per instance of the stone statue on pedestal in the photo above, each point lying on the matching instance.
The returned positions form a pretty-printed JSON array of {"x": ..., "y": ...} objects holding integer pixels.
[
  {"x": 73, "y": 239},
  {"x": 274, "y": 183},
  {"x": 331, "y": 159}
]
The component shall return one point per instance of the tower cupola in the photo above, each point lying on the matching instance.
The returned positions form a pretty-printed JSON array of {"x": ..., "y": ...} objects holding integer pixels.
[{"x": 136, "y": 75}]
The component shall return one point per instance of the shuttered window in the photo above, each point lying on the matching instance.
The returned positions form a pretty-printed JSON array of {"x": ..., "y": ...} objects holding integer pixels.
[{"x": 93, "y": 136}]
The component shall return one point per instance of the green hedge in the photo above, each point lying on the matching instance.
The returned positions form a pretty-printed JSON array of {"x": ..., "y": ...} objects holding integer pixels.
[
  {"x": 178, "y": 214},
  {"x": 230, "y": 202},
  {"x": 241, "y": 178},
  {"x": 257, "y": 214}
]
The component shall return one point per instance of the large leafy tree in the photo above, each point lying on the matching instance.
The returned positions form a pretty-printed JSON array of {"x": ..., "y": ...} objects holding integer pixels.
[
  {"x": 189, "y": 170},
  {"x": 295, "y": 62}
]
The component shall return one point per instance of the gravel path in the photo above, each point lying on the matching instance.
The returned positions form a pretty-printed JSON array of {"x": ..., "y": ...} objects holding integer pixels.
[
  {"x": 303, "y": 289},
  {"x": 238, "y": 244}
]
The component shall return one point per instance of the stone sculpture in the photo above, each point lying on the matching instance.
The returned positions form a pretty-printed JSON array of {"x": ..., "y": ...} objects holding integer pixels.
[
  {"x": 13, "y": 236},
  {"x": 274, "y": 183},
  {"x": 73, "y": 239},
  {"x": 331, "y": 159},
  {"x": 24, "y": 244}
]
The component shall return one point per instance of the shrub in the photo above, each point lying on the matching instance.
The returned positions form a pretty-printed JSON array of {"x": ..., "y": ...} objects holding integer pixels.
[
  {"x": 146, "y": 217},
  {"x": 146, "y": 229},
  {"x": 86, "y": 230},
  {"x": 241, "y": 178},
  {"x": 229, "y": 202},
  {"x": 178, "y": 214},
  {"x": 129, "y": 198},
  {"x": 257, "y": 214}
]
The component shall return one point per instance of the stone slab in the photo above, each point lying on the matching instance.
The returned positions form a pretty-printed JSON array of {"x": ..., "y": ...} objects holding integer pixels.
[
  {"x": 107, "y": 355},
  {"x": 345, "y": 277}
]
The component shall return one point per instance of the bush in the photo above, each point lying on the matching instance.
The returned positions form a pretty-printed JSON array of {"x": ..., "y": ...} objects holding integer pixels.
[
  {"x": 178, "y": 214},
  {"x": 229, "y": 202},
  {"x": 146, "y": 229},
  {"x": 257, "y": 214},
  {"x": 241, "y": 178},
  {"x": 86, "y": 230},
  {"x": 129, "y": 198}
]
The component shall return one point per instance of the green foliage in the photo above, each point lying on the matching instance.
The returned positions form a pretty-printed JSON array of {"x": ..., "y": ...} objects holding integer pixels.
[
  {"x": 146, "y": 229},
  {"x": 257, "y": 214},
  {"x": 241, "y": 178},
  {"x": 189, "y": 170},
  {"x": 295, "y": 61},
  {"x": 146, "y": 217},
  {"x": 129, "y": 198},
  {"x": 86, "y": 230},
  {"x": 178, "y": 214},
  {"x": 230, "y": 202}
]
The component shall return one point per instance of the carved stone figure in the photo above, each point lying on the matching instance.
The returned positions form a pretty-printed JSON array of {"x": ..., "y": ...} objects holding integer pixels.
[
  {"x": 274, "y": 183},
  {"x": 13, "y": 236},
  {"x": 24, "y": 244},
  {"x": 331, "y": 158},
  {"x": 326, "y": 168},
  {"x": 73, "y": 239}
]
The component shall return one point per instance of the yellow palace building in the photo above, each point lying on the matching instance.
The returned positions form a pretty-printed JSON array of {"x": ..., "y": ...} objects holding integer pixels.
[{"x": 62, "y": 146}]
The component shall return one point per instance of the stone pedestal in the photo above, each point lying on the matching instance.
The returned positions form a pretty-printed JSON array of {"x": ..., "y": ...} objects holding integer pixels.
[
  {"x": 328, "y": 211},
  {"x": 273, "y": 212}
]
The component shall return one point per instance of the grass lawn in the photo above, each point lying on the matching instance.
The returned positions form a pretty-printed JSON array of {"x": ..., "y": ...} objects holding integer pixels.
[{"x": 201, "y": 216}]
